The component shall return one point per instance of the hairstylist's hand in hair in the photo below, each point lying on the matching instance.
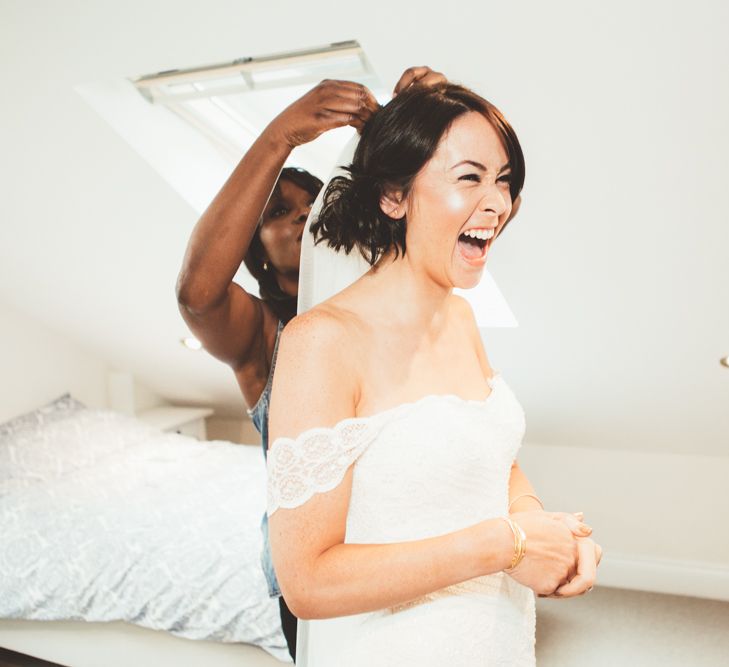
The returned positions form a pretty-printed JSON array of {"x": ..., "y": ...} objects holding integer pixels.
[
  {"x": 326, "y": 106},
  {"x": 423, "y": 76},
  {"x": 335, "y": 103}
]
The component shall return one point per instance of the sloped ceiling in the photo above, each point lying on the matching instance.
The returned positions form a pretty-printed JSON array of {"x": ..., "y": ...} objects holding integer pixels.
[{"x": 616, "y": 267}]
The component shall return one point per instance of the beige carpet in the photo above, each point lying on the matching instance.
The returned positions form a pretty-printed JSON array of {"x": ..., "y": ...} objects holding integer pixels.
[{"x": 611, "y": 627}]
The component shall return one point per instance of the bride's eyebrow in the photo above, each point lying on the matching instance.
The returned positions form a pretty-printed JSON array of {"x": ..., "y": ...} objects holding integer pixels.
[{"x": 478, "y": 165}]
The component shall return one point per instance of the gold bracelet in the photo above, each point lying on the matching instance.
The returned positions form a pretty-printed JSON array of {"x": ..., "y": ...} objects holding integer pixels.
[
  {"x": 531, "y": 495},
  {"x": 519, "y": 543}
]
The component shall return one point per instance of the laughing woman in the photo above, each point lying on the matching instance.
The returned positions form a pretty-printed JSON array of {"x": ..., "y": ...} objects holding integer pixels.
[{"x": 395, "y": 497}]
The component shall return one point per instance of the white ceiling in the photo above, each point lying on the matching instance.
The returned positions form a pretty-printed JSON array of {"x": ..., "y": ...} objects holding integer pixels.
[{"x": 616, "y": 267}]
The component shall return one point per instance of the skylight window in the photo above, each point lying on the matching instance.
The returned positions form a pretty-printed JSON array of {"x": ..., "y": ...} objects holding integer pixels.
[{"x": 232, "y": 102}]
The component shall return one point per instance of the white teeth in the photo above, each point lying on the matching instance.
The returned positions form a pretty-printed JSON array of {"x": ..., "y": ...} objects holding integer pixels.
[{"x": 483, "y": 234}]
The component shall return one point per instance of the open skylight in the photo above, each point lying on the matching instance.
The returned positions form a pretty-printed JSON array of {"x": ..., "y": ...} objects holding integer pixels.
[{"x": 231, "y": 103}]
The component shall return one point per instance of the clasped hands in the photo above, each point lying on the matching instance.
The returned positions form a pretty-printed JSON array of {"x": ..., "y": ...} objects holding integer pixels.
[{"x": 554, "y": 567}]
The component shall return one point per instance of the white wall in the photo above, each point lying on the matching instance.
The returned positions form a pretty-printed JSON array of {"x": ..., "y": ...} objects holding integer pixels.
[
  {"x": 660, "y": 518},
  {"x": 37, "y": 365},
  {"x": 129, "y": 396}
]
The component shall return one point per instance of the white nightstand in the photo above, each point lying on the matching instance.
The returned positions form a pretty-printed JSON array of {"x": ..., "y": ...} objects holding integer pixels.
[{"x": 176, "y": 419}]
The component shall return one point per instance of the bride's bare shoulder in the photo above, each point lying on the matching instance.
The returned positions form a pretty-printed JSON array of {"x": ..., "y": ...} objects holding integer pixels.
[
  {"x": 316, "y": 381},
  {"x": 329, "y": 322}
]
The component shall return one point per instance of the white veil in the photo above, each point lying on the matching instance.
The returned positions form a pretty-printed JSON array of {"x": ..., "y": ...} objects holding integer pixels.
[{"x": 322, "y": 271}]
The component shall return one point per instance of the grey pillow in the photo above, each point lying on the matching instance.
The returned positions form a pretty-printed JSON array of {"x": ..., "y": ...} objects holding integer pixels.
[
  {"x": 63, "y": 436},
  {"x": 61, "y": 408}
]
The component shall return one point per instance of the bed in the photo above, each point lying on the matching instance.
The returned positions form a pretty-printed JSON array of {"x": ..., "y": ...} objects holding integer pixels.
[{"x": 113, "y": 533}]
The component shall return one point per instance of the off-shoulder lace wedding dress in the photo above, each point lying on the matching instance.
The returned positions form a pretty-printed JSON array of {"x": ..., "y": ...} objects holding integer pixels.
[{"x": 421, "y": 469}]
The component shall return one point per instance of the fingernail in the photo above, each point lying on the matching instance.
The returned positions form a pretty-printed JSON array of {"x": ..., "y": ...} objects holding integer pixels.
[{"x": 585, "y": 529}]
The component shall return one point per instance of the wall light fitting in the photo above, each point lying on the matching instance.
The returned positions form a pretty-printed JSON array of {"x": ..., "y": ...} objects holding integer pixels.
[{"x": 191, "y": 343}]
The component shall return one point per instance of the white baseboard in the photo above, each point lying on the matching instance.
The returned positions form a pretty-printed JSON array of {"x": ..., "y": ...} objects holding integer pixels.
[{"x": 695, "y": 579}]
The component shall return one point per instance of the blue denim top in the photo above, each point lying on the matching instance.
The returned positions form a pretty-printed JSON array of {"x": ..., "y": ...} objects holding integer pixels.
[{"x": 259, "y": 416}]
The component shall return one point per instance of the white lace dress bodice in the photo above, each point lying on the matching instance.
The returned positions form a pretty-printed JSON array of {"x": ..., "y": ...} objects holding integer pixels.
[{"x": 421, "y": 469}]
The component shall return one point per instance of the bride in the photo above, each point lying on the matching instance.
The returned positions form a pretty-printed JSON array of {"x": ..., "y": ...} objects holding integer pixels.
[{"x": 395, "y": 498}]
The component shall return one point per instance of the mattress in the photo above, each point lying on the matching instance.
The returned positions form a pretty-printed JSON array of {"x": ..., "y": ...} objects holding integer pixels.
[{"x": 104, "y": 518}]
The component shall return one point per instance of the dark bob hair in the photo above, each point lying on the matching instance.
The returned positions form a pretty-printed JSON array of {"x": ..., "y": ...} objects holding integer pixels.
[
  {"x": 282, "y": 304},
  {"x": 395, "y": 145}
]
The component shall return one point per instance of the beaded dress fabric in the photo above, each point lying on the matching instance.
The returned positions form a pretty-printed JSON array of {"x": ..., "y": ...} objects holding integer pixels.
[{"x": 421, "y": 469}]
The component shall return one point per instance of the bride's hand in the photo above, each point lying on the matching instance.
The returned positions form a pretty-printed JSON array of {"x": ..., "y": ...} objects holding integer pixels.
[
  {"x": 580, "y": 576},
  {"x": 588, "y": 559},
  {"x": 328, "y": 105},
  {"x": 553, "y": 551}
]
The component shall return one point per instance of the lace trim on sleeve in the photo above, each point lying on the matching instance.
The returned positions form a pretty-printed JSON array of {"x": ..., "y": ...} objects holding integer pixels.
[{"x": 315, "y": 461}]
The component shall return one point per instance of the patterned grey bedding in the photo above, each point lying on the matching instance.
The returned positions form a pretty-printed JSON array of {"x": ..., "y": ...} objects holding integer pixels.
[{"x": 104, "y": 518}]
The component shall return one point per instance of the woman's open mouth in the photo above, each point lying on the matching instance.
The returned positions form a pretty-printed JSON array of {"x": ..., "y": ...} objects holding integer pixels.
[{"x": 473, "y": 249}]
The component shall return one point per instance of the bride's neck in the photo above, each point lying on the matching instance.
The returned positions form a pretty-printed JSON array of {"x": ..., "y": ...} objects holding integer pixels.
[{"x": 406, "y": 292}]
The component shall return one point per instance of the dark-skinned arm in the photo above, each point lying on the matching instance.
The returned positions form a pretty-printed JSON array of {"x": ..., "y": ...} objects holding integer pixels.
[{"x": 225, "y": 318}]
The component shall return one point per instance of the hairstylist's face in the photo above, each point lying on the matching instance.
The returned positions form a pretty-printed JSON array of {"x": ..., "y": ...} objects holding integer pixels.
[
  {"x": 463, "y": 191},
  {"x": 283, "y": 226}
]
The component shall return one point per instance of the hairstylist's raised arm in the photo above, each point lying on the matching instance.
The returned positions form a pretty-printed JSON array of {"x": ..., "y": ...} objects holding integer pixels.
[{"x": 226, "y": 319}]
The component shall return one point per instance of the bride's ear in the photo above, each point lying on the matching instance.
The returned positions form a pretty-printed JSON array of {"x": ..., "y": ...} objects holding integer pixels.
[{"x": 393, "y": 204}]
